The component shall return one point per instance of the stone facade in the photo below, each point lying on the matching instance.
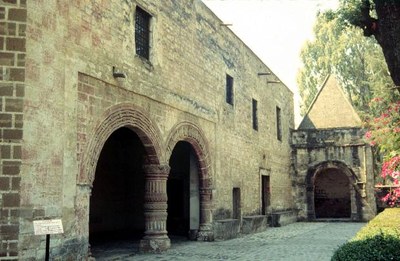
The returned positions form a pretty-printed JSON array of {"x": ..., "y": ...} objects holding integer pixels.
[
  {"x": 319, "y": 152},
  {"x": 333, "y": 167},
  {"x": 60, "y": 104}
]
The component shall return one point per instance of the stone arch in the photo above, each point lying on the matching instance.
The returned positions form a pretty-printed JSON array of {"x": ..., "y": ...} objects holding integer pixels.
[
  {"x": 189, "y": 132},
  {"x": 319, "y": 167},
  {"x": 122, "y": 115}
]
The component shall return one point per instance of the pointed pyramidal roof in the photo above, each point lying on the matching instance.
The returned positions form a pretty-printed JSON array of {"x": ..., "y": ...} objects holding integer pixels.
[{"x": 330, "y": 109}]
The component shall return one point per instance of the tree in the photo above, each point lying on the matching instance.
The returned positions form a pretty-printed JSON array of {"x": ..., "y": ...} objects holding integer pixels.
[
  {"x": 381, "y": 19},
  {"x": 338, "y": 49}
]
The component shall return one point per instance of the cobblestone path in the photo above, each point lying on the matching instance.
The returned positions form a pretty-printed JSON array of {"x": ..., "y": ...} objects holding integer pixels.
[{"x": 298, "y": 241}]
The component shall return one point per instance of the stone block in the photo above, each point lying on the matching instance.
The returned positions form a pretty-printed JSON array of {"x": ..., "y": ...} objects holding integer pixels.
[
  {"x": 17, "y": 15},
  {"x": 5, "y": 152},
  {"x": 11, "y": 200},
  {"x": 4, "y": 183},
  {"x": 12, "y": 134},
  {"x": 15, "y": 44},
  {"x": 6, "y": 89},
  {"x": 5, "y": 120},
  {"x": 17, "y": 74},
  {"x": 226, "y": 228},
  {"x": 14, "y": 105},
  {"x": 254, "y": 224},
  {"x": 282, "y": 218},
  {"x": 6, "y": 59},
  {"x": 11, "y": 168}
]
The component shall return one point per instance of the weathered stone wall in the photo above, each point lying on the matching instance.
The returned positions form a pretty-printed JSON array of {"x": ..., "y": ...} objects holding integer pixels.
[
  {"x": 72, "y": 102},
  {"x": 12, "y": 92},
  {"x": 341, "y": 149}
]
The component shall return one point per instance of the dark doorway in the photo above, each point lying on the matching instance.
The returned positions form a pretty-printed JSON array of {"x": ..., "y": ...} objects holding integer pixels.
[
  {"x": 236, "y": 211},
  {"x": 183, "y": 191},
  {"x": 265, "y": 194},
  {"x": 332, "y": 194},
  {"x": 116, "y": 202}
]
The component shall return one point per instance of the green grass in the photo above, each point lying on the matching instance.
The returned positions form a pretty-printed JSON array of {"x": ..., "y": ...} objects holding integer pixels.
[{"x": 378, "y": 240}]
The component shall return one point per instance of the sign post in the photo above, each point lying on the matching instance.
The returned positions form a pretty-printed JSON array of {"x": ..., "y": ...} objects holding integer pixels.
[{"x": 48, "y": 227}]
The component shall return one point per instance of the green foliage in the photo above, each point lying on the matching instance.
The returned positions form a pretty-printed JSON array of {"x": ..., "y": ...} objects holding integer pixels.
[
  {"x": 386, "y": 223},
  {"x": 378, "y": 240},
  {"x": 353, "y": 12},
  {"x": 357, "y": 62},
  {"x": 377, "y": 248}
]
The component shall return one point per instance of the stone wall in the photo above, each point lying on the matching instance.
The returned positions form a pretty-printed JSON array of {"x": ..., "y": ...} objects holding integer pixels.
[
  {"x": 12, "y": 91},
  {"x": 335, "y": 150},
  {"x": 73, "y": 103}
]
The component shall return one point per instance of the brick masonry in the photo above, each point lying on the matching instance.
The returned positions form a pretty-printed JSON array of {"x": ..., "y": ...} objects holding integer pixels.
[
  {"x": 13, "y": 17},
  {"x": 178, "y": 94},
  {"x": 60, "y": 102}
]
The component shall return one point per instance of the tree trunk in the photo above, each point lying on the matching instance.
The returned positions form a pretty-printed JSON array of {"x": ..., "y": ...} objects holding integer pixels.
[{"x": 387, "y": 33}]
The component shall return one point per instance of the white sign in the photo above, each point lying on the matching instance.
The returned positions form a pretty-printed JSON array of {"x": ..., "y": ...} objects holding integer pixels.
[{"x": 48, "y": 227}]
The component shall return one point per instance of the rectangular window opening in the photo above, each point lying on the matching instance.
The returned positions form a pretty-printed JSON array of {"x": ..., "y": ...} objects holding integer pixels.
[
  {"x": 278, "y": 124},
  {"x": 142, "y": 33},
  {"x": 255, "y": 116},
  {"x": 229, "y": 89}
]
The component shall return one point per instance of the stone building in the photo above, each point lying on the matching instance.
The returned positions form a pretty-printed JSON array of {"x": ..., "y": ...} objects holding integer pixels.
[
  {"x": 138, "y": 118},
  {"x": 333, "y": 167}
]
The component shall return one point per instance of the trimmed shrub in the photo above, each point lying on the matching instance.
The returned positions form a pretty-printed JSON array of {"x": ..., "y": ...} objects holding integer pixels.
[
  {"x": 378, "y": 240},
  {"x": 377, "y": 248}
]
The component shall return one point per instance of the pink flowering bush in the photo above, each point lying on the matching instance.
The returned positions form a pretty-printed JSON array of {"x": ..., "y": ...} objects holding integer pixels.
[{"x": 384, "y": 132}]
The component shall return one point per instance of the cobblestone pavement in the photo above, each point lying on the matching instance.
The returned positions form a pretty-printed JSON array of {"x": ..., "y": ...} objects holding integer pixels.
[{"x": 298, "y": 241}]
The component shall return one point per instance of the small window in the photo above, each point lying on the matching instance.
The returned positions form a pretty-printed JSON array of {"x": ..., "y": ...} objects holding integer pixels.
[
  {"x": 142, "y": 33},
  {"x": 229, "y": 89},
  {"x": 255, "y": 116},
  {"x": 278, "y": 124}
]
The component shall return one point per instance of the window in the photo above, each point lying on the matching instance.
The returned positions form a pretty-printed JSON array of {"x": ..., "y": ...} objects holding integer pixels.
[
  {"x": 142, "y": 33},
  {"x": 229, "y": 89},
  {"x": 255, "y": 117},
  {"x": 278, "y": 124}
]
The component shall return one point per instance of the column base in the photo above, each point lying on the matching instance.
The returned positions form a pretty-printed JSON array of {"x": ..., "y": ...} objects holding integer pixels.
[
  {"x": 154, "y": 244},
  {"x": 205, "y": 233}
]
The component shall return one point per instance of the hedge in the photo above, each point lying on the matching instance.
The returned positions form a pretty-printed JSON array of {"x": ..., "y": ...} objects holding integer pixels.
[{"x": 378, "y": 240}]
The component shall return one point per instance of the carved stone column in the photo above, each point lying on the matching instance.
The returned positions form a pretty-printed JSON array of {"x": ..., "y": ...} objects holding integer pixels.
[
  {"x": 205, "y": 230},
  {"x": 155, "y": 209}
]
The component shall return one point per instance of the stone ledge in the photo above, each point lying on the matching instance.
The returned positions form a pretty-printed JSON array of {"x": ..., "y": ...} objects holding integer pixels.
[
  {"x": 226, "y": 228},
  {"x": 282, "y": 217},
  {"x": 254, "y": 224}
]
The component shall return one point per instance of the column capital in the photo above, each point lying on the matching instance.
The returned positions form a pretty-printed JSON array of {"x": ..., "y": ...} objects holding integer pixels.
[{"x": 156, "y": 170}]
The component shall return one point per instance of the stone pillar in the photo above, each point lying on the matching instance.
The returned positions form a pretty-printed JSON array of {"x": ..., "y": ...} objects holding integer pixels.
[
  {"x": 206, "y": 232},
  {"x": 155, "y": 209}
]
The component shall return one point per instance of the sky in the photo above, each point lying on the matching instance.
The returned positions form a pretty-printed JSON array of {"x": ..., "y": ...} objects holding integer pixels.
[{"x": 275, "y": 30}]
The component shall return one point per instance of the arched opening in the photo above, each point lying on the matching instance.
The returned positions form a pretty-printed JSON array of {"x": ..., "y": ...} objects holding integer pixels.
[
  {"x": 332, "y": 194},
  {"x": 116, "y": 202},
  {"x": 183, "y": 192}
]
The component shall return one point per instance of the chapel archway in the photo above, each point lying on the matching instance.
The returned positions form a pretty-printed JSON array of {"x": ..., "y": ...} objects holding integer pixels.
[{"x": 332, "y": 194}]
